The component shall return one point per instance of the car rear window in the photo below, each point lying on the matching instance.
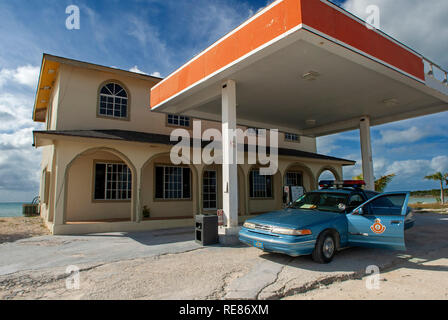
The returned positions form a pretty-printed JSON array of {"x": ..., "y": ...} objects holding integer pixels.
[{"x": 371, "y": 194}]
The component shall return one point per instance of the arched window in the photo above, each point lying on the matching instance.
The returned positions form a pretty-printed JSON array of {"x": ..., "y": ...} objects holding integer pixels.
[{"x": 113, "y": 101}]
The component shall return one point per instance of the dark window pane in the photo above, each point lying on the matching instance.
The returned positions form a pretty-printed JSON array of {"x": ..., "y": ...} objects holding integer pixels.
[
  {"x": 187, "y": 183},
  {"x": 251, "y": 184},
  {"x": 269, "y": 186},
  {"x": 159, "y": 182},
  {"x": 124, "y": 112},
  {"x": 100, "y": 180},
  {"x": 111, "y": 88},
  {"x": 104, "y": 90}
]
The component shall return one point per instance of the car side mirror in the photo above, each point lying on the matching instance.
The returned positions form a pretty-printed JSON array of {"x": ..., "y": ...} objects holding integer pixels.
[{"x": 358, "y": 212}]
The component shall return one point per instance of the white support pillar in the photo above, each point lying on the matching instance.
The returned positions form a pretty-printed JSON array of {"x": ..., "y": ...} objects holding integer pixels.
[
  {"x": 229, "y": 234},
  {"x": 366, "y": 152}
]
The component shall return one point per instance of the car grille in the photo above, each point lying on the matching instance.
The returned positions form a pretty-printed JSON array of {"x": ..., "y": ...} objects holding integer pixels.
[{"x": 263, "y": 227}]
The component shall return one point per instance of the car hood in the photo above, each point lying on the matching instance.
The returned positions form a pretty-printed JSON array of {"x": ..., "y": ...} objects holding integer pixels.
[{"x": 294, "y": 218}]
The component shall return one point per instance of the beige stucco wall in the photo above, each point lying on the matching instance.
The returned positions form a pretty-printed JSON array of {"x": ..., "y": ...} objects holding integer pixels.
[
  {"x": 76, "y": 92},
  {"x": 166, "y": 208},
  {"x": 257, "y": 206},
  {"x": 71, "y": 190},
  {"x": 47, "y": 166},
  {"x": 80, "y": 187}
]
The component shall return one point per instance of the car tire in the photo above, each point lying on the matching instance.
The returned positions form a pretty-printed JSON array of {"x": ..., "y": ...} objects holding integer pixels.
[{"x": 325, "y": 248}]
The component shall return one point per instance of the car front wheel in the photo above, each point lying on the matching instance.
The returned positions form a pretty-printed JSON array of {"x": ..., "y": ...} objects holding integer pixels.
[{"x": 325, "y": 248}]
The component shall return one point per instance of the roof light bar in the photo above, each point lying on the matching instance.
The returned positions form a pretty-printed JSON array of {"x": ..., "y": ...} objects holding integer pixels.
[{"x": 342, "y": 184}]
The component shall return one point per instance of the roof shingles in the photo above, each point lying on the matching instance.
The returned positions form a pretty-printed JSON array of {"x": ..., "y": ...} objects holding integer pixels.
[{"x": 143, "y": 137}]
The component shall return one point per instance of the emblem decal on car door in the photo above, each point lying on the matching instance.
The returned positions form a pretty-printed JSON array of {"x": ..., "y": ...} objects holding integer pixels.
[{"x": 378, "y": 227}]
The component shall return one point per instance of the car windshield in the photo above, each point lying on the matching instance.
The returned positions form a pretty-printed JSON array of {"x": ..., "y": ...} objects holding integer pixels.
[{"x": 322, "y": 201}]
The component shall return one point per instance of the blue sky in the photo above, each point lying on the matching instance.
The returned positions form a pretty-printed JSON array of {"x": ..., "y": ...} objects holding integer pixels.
[{"x": 157, "y": 36}]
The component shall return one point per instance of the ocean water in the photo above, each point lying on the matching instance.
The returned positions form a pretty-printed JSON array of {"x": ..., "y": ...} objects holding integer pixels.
[
  {"x": 14, "y": 209},
  {"x": 11, "y": 209},
  {"x": 422, "y": 200}
]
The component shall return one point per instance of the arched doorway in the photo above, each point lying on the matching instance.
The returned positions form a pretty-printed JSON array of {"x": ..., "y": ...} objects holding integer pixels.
[
  {"x": 168, "y": 191},
  {"x": 328, "y": 173},
  {"x": 100, "y": 185},
  {"x": 299, "y": 174}
]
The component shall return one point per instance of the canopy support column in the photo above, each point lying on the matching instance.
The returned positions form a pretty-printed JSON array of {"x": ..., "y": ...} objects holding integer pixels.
[
  {"x": 366, "y": 152},
  {"x": 229, "y": 233}
]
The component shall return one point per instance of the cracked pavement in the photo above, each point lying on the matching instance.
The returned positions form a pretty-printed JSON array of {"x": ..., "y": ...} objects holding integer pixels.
[{"x": 170, "y": 265}]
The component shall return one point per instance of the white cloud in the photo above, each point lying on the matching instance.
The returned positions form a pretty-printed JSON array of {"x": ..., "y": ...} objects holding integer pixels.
[
  {"x": 327, "y": 144},
  {"x": 20, "y": 172},
  {"x": 409, "y": 168},
  {"x": 5, "y": 76},
  {"x": 418, "y": 24},
  {"x": 412, "y": 134},
  {"x": 25, "y": 75},
  {"x": 17, "y": 140},
  {"x": 137, "y": 70},
  {"x": 15, "y": 112},
  {"x": 408, "y": 172},
  {"x": 412, "y": 168},
  {"x": 440, "y": 164}
]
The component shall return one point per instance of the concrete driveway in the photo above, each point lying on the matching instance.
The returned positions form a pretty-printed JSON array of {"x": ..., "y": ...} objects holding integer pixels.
[{"x": 170, "y": 265}]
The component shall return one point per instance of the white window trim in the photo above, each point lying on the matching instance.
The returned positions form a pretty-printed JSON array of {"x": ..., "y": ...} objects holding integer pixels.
[
  {"x": 182, "y": 184},
  {"x": 295, "y": 173},
  {"x": 114, "y": 105},
  {"x": 178, "y": 117},
  {"x": 116, "y": 190},
  {"x": 216, "y": 188},
  {"x": 288, "y": 139},
  {"x": 254, "y": 196}
]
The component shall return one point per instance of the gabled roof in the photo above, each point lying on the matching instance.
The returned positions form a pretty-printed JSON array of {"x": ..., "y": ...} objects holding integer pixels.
[
  {"x": 143, "y": 137},
  {"x": 48, "y": 73}
]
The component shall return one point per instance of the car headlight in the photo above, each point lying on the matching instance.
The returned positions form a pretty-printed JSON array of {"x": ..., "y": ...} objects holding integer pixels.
[
  {"x": 291, "y": 232},
  {"x": 249, "y": 225}
]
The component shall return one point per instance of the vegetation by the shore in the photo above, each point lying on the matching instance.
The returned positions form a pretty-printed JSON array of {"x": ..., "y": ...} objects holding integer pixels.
[
  {"x": 435, "y": 206},
  {"x": 428, "y": 193},
  {"x": 13, "y": 229}
]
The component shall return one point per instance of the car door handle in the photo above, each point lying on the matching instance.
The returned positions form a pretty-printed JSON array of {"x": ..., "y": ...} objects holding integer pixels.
[{"x": 395, "y": 222}]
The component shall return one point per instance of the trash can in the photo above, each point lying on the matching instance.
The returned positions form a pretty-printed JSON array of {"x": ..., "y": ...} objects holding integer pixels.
[{"x": 207, "y": 229}]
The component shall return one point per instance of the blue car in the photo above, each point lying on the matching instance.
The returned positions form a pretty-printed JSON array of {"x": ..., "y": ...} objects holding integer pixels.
[{"x": 338, "y": 216}]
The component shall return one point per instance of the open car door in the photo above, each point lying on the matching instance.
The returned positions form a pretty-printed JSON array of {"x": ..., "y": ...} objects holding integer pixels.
[{"x": 379, "y": 222}]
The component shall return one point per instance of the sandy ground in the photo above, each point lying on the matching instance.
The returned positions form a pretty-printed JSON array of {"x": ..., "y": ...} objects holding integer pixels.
[
  {"x": 199, "y": 274},
  {"x": 161, "y": 266},
  {"x": 208, "y": 274},
  {"x": 425, "y": 279},
  {"x": 13, "y": 229}
]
